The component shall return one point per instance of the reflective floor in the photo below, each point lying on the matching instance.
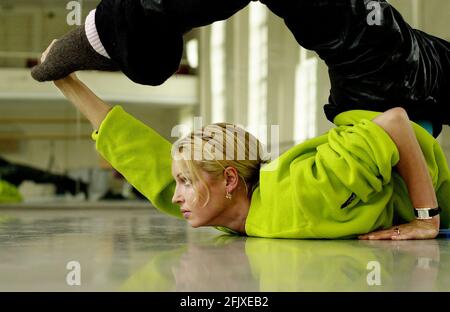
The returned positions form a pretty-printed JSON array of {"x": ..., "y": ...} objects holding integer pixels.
[{"x": 135, "y": 248}]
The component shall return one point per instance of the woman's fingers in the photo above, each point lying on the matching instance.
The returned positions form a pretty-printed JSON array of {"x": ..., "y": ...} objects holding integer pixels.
[
  {"x": 392, "y": 233},
  {"x": 413, "y": 230}
]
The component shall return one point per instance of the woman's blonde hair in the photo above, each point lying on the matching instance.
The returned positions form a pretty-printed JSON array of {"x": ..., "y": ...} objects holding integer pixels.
[{"x": 215, "y": 147}]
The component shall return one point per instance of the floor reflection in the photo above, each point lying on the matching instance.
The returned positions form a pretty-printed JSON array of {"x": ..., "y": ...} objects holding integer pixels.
[
  {"x": 254, "y": 264},
  {"x": 143, "y": 250}
]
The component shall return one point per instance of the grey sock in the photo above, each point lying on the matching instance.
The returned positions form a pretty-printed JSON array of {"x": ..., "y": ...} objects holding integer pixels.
[{"x": 71, "y": 53}]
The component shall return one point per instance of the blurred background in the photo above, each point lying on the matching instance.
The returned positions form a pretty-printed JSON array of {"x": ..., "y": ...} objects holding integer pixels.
[{"x": 247, "y": 70}]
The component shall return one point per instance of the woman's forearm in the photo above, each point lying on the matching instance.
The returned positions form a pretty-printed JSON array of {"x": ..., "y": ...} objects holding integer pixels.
[
  {"x": 91, "y": 106},
  {"x": 412, "y": 165}
]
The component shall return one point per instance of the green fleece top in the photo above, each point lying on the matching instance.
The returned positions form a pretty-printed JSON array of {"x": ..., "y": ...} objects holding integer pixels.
[{"x": 337, "y": 185}]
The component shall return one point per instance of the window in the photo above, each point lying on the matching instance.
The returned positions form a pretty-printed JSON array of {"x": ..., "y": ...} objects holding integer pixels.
[
  {"x": 258, "y": 64},
  {"x": 305, "y": 98},
  {"x": 218, "y": 63}
]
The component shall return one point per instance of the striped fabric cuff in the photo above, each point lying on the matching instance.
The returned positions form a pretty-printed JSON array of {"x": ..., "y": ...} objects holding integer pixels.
[{"x": 92, "y": 35}]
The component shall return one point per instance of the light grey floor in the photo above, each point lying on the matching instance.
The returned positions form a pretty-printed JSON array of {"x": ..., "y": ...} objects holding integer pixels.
[{"x": 131, "y": 247}]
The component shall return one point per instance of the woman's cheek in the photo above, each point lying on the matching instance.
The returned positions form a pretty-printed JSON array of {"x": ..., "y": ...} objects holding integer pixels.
[{"x": 190, "y": 195}]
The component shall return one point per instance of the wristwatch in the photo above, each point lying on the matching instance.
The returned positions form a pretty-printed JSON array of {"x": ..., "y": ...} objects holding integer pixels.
[{"x": 426, "y": 213}]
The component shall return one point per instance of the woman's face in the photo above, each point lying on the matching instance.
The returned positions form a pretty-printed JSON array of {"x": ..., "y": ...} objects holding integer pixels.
[{"x": 192, "y": 202}]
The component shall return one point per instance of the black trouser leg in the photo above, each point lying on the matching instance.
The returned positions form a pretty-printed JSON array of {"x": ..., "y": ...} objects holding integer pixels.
[
  {"x": 188, "y": 14},
  {"x": 145, "y": 37}
]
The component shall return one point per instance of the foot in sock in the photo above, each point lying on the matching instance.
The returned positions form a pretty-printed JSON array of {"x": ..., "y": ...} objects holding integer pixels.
[{"x": 71, "y": 53}]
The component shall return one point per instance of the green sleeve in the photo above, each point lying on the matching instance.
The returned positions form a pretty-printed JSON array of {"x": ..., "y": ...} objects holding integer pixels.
[
  {"x": 436, "y": 162},
  {"x": 361, "y": 157},
  {"x": 141, "y": 155},
  {"x": 346, "y": 187}
]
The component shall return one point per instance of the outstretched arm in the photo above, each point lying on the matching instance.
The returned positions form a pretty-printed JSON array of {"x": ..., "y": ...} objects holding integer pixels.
[{"x": 414, "y": 171}]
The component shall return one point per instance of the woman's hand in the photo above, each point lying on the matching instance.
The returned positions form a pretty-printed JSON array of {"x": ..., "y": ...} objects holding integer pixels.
[
  {"x": 416, "y": 229},
  {"x": 60, "y": 82}
]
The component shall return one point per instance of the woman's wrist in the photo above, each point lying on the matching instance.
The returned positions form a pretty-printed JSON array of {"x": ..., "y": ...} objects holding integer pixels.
[
  {"x": 66, "y": 82},
  {"x": 92, "y": 107},
  {"x": 436, "y": 221}
]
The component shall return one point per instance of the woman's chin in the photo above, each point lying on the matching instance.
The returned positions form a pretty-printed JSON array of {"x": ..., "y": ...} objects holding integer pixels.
[{"x": 194, "y": 223}]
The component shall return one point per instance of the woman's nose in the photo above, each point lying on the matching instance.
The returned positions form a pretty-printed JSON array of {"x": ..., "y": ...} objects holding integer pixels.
[{"x": 177, "y": 198}]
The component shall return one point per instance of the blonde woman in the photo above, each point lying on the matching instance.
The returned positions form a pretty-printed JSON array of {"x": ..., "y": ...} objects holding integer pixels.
[{"x": 367, "y": 177}]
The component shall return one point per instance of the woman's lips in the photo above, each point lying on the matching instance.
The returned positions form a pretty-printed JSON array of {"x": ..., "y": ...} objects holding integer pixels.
[{"x": 186, "y": 214}]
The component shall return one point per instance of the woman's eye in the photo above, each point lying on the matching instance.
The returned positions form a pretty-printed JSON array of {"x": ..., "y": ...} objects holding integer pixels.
[{"x": 185, "y": 181}]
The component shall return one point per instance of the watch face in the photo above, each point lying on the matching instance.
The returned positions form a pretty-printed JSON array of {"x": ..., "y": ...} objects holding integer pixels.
[{"x": 423, "y": 214}]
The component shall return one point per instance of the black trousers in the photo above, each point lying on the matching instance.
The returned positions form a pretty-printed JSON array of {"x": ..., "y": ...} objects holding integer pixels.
[
  {"x": 145, "y": 37},
  {"x": 376, "y": 60}
]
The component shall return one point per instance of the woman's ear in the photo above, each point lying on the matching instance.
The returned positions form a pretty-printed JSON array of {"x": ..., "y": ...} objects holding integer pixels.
[{"x": 231, "y": 177}]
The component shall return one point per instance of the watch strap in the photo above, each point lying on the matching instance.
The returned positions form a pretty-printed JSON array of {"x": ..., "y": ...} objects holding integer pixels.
[{"x": 426, "y": 213}]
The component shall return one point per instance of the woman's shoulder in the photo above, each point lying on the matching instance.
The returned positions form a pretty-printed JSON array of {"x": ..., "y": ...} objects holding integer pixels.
[{"x": 352, "y": 117}]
